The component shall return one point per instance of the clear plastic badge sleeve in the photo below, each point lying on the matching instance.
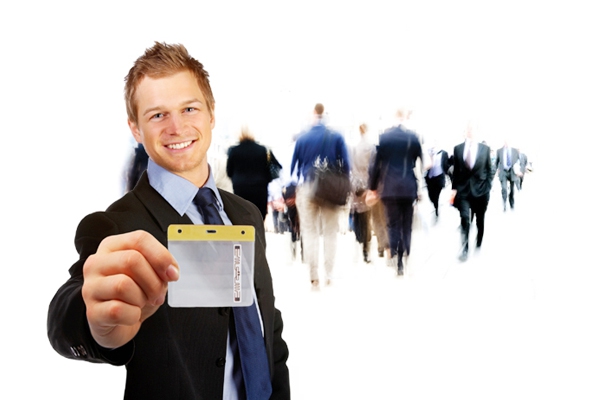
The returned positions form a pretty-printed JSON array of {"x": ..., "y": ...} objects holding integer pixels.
[{"x": 216, "y": 265}]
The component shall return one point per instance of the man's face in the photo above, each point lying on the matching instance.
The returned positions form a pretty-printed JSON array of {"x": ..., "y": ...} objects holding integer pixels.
[{"x": 174, "y": 124}]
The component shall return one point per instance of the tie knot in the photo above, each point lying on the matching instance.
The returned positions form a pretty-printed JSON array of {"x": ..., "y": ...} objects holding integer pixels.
[
  {"x": 206, "y": 204},
  {"x": 204, "y": 197}
]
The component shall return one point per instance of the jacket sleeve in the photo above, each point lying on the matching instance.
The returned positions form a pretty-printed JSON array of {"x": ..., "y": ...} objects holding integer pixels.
[
  {"x": 455, "y": 169},
  {"x": 280, "y": 379},
  {"x": 295, "y": 160},
  {"x": 489, "y": 168},
  {"x": 374, "y": 169},
  {"x": 343, "y": 155},
  {"x": 68, "y": 329}
]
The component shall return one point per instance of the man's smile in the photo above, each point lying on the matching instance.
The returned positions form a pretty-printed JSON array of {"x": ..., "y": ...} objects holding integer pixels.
[{"x": 179, "y": 146}]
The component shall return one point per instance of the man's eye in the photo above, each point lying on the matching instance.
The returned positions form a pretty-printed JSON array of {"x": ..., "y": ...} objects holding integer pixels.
[
  {"x": 189, "y": 109},
  {"x": 157, "y": 116}
]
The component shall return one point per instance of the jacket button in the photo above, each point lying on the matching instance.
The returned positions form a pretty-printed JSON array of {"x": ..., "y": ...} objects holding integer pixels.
[{"x": 220, "y": 362}]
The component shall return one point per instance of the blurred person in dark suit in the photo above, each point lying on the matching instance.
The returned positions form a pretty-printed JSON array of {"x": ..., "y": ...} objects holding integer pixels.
[
  {"x": 248, "y": 168},
  {"x": 393, "y": 177},
  {"x": 137, "y": 166},
  {"x": 473, "y": 175},
  {"x": 506, "y": 159}
]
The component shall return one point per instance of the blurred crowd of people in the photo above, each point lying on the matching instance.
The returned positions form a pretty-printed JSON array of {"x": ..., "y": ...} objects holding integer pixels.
[{"x": 387, "y": 180}]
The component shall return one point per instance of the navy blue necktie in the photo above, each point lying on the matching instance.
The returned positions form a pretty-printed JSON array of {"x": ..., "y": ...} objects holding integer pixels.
[{"x": 253, "y": 353}]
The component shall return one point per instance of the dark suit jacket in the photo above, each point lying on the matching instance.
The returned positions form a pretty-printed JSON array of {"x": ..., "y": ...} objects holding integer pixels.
[
  {"x": 392, "y": 172},
  {"x": 476, "y": 182},
  {"x": 249, "y": 172},
  {"x": 179, "y": 353},
  {"x": 514, "y": 158},
  {"x": 247, "y": 164}
]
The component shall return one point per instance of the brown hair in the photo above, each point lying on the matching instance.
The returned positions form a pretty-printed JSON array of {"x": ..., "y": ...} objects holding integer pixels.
[
  {"x": 163, "y": 60},
  {"x": 319, "y": 108},
  {"x": 246, "y": 135}
]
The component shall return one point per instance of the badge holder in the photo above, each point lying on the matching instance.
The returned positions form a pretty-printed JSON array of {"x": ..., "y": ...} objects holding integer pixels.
[{"x": 216, "y": 265}]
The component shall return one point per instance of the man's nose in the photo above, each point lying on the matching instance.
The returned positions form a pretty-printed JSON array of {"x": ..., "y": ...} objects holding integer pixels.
[{"x": 175, "y": 124}]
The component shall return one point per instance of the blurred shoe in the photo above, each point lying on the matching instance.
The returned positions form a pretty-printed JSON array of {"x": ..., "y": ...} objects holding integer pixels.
[
  {"x": 366, "y": 258},
  {"x": 315, "y": 284},
  {"x": 463, "y": 256},
  {"x": 380, "y": 253},
  {"x": 294, "y": 250},
  {"x": 400, "y": 266}
]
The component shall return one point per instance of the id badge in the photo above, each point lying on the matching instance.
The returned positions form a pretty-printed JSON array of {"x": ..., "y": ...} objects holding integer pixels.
[{"x": 216, "y": 265}]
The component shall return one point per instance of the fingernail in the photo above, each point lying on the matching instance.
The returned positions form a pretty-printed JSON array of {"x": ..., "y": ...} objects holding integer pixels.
[{"x": 172, "y": 273}]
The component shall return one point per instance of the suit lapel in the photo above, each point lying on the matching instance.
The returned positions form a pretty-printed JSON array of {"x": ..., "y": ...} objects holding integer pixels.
[
  {"x": 156, "y": 205},
  {"x": 461, "y": 153}
]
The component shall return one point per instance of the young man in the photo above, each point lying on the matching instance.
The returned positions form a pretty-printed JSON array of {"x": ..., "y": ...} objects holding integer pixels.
[{"x": 113, "y": 308}]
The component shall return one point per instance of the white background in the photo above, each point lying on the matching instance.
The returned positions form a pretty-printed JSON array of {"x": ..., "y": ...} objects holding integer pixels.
[{"x": 527, "y": 70}]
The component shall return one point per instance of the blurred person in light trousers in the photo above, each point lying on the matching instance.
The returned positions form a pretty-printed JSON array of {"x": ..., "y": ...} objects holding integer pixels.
[
  {"x": 361, "y": 157},
  {"x": 318, "y": 143}
]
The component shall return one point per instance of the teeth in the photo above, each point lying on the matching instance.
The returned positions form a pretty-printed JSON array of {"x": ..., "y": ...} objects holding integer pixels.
[{"x": 179, "y": 146}]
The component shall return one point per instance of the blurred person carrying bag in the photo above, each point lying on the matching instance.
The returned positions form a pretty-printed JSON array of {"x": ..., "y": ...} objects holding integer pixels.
[{"x": 331, "y": 185}]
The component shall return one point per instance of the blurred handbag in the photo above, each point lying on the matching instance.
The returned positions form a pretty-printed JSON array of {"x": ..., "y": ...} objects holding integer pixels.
[
  {"x": 273, "y": 164},
  {"x": 331, "y": 185}
]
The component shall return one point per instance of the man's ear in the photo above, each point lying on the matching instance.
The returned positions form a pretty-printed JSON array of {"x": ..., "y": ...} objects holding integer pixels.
[{"x": 135, "y": 131}]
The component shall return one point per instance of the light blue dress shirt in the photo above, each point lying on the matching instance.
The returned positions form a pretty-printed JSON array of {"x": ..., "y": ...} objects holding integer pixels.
[{"x": 180, "y": 193}]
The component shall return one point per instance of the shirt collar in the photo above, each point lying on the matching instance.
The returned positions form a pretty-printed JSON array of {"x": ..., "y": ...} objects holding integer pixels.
[{"x": 178, "y": 191}]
